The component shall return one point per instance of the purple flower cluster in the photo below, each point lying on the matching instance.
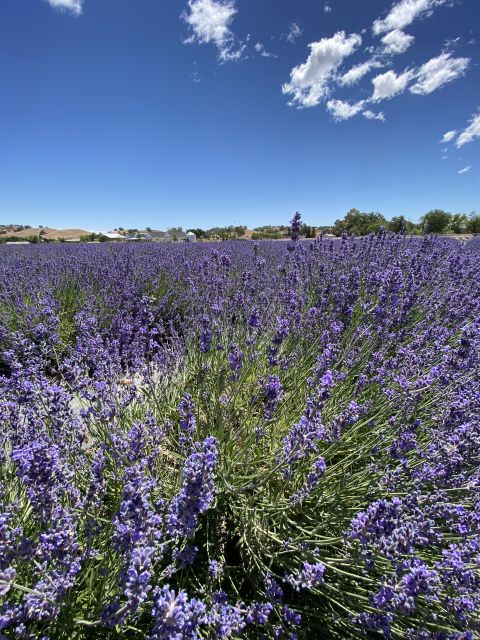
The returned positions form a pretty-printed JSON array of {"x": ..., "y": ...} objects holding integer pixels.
[{"x": 267, "y": 440}]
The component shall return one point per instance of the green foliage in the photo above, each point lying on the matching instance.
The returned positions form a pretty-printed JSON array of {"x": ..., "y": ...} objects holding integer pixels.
[
  {"x": 361, "y": 224},
  {"x": 307, "y": 231},
  {"x": 259, "y": 235},
  {"x": 436, "y": 221},
  {"x": 226, "y": 233},
  {"x": 94, "y": 237},
  {"x": 459, "y": 223},
  {"x": 473, "y": 223}
]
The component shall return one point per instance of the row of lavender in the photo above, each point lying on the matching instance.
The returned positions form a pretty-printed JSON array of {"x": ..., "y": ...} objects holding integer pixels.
[{"x": 240, "y": 441}]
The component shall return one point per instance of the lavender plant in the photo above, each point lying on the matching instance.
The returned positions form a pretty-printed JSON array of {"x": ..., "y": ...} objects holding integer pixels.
[{"x": 245, "y": 440}]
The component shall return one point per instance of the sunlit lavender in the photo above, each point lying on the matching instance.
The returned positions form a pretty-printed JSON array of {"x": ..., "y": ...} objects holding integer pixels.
[{"x": 270, "y": 440}]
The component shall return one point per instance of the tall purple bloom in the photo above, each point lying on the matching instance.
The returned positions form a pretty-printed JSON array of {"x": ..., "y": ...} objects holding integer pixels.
[
  {"x": 198, "y": 489},
  {"x": 295, "y": 226}
]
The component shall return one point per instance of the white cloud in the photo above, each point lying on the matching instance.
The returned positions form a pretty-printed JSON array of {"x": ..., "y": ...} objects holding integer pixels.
[
  {"x": 74, "y": 6},
  {"x": 309, "y": 82},
  {"x": 464, "y": 170},
  {"x": 451, "y": 43},
  {"x": 294, "y": 32},
  {"x": 396, "y": 42},
  {"x": 388, "y": 84},
  {"x": 260, "y": 48},
  {"x": 438, "y": 71},
  {"x": 371, "y": 115},
  {"x": 342, "y": 110},
  {"x": 356, "y": 73},
  {"x": 210, "y": 22},
  {"x": 404, "y": 13},
  {"x": 327, "y": 8},
  {"x": 448, "y": 137},
  {"x": 470, "y": 133}
]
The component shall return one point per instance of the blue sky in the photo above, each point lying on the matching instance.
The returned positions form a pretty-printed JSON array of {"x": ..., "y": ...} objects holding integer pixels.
[{"x": 206, "y": 112}]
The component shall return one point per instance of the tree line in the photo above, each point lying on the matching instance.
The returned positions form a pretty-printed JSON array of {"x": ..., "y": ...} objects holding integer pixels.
[{"x": 434, "y": 221}]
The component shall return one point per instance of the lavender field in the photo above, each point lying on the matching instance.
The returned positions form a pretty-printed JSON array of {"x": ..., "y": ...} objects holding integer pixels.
[{"x": 240, "y": 440}]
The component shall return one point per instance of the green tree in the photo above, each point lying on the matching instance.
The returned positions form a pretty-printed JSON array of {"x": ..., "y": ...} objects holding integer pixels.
[
  {"x": 361, "y": 224},
  {"x": 398, "y": 224},
  {"x": 473, "y": 224},
  {"x": 459, "y": 223},
  {"x": 436, "y": 221}
]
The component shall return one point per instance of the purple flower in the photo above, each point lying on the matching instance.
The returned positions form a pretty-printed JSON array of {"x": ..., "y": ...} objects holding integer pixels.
[
  {"x": 235, "y": 358},
  {"x": 308, "y": 577},
  {"x": 272, "y": 394},
  {"x": 176, "y": 617},
  {"x": 198, "y": 489},
  {"x": 295, "y": 226}
]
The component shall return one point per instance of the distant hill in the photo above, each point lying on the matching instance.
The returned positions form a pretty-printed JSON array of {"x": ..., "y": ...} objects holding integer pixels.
[{"x": 51, "y": 234}]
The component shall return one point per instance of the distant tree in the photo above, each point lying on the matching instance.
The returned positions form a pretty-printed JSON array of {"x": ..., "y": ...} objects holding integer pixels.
[
  {"x": 307, "y": 231},
  {"x": 42, "y": 232},
  {"x": 473, "y": 224},
  {"x": 459, "y": 222},
  {"x": 435, "y": 221},
  {"x": 265, "y": 235},
  {"x": 398, "y": 224},
  {"x": 121, "y": 229},
  {"x": 361, "y": 224},
  {"x": 148, "y": 229}
]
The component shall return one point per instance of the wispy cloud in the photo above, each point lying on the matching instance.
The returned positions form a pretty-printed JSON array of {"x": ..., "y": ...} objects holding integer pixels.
[
  {"x": 260, "y": 48},
  {"x": 470, "y": 133},
  {"x": 342, "y": 110},
  {"x": 310, "y": 82},
  {"x": 294, "y": 32},
  {"x": 403, "y": 13},
  {"x": 371, "y": 115},
  {"x": 448, "y": 136},
  {"x": 438, "y": 71},
  {"x": 209, "y": 21},
  {"x": 71, "y": 6},
  {"x": 356, "y": 73},
  {"x": 464, "y": 170}
]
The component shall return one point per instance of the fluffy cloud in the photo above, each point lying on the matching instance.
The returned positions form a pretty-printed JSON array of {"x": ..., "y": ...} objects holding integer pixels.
[
  {"x": 371, "y": 115},
  {"x": 294, "y": 32},
  {"x": 356, "y": 73},
  {"x": 470, "y": 133},
  {"x": 73, "y": 6},
  {"x": 327, "y": 8},
  {"x": 464, "y": 170},
  {"x": 260, "y": 48},
  {"x": 342, "y": 110},
  {"x": 396, "y": 42},
  {"x": 448, "y": 137},
  {"x": 309, "y": 82},
  {"x": 404, "y": 13},
  {"x": 438, "y": 71},
  {"x": 388, "y": 84},
  {"x": 210, "y": 22}
]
